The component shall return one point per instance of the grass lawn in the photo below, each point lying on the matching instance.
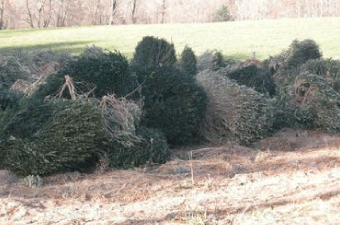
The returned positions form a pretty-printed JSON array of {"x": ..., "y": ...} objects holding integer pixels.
[{"x": 240, "y": 39}]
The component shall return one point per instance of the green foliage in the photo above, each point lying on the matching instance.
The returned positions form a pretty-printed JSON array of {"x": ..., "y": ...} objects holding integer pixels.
[
  {"x": 68, "y": 140},
  {"x": 129, "y": 144},
  {"x": 121, "y": 117},
  {"x": 222, "y": 14},
  {"x": 10, "y": 70},
  {"x": 30, "y": 65},
  {"x": 9, "y": 98},
  {"x": 235, "y": 113},
  {"x": 35, "y": 61},
  {"x": 152, "y": 52},
  {"x": 302, "y": 51},
  {"x": 308, "y": 88},
  {"x": 21, "y": 118},
  {"x": 326, "y": 68},
  {"x": 49, "y": 88},
  {"x": 28, "y": 120},
  {"x": 323, "y": 67},
  {"x": 108, "y": 71},
  {"x": 288, "y": 114},
  {"x": 210, "y": 60},
  {"x": 2, "y": 157},
  {"x": 285, "y": 66},
  {"x": 315, "y": 96},
  {"x": 173, "y": 103},
  {"x": 150, "y": 146},
  {"x": 254, "y": 77},
  {"x": 39, "y": 58},
  {"x": 188, "y": 61}
]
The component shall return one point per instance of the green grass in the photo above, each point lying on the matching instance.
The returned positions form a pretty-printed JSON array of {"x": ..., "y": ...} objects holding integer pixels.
[{"x": 237, "y": 39}]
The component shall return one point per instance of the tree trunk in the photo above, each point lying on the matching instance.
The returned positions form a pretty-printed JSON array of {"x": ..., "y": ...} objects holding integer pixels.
[
  {"x": 112, "y": 11},
  {"x": 163, "y": 11},
  {"x": 2, "y": 9},
  {"x": 29, "y": 14},
  {"x": 62, "y": 13},
  {"x": 47, "y": 19},
  {"x": 133, "y": 18}
]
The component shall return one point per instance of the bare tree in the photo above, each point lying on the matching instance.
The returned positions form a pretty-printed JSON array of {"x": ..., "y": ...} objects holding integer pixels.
[
  {"x": 44, "y": 13},
  {"x": 163, "y": 10},
  {"x": 61, "y": 10},
  {"x": 97, "y": 11},
  {"x": 113, "y": 4},
  {"x": 47, "y": 18},
  {"x": 3, "y": 4},
  {"x": 39, "y": 12},
  {"x": 30, "y": 15},
  {"x": 133, "y": 12}
]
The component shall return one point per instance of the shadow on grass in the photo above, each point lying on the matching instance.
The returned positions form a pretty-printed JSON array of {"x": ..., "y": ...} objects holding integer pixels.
[
  {"x": 74, "y": 47},
  {"x": 17, "y": 33}
]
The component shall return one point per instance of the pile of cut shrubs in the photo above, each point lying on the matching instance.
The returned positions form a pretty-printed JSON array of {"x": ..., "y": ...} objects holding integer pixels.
[{"x": 62, "y": 113}]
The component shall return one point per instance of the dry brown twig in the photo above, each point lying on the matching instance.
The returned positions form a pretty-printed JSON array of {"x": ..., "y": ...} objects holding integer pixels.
[
  {"x": 120, "y": 116},
  {"x": 69, "y": 84}
]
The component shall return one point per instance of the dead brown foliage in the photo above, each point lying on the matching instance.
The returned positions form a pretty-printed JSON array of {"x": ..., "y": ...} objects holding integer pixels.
[{"x": 232, "y": 185}]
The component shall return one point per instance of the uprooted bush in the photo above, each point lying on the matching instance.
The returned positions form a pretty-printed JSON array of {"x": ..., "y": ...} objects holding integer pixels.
[
  {"x": 11, "y": 70},
  {"x": 210, "y": 60},
  {"x": 173, "y": 103},
  {"x": 188, "y": 62},
  {"x": 152, "y": 52},
  {"x": 32, "y": 65},
  {"x": 307, "y": 88},
  {"x": 29, "y": 119},
  {"x": 326, "y": 68},
  {"x": 254, "y": 76},
  {"x": 150, "y": 147},
  {"x": 9, "y": 98},
  {"x": 284, "y": 65},
  {"x": 22, "y": 70},
  {"x": 48, "y": 134},
  {"x": 66, "y": 138},
  {"x": 107, "y": 71},
  {"x": 61, "y": 86},
  {"x": 302, "y": 51},
  {"x": 316, "y": 97},
  {"x": 129, "y": 144},
  {"x": 55, "y": 127},
  {"x": 288, "y": 114},
  {"x": 235, "y": 113},
  {"x": 9, "y": 105}
]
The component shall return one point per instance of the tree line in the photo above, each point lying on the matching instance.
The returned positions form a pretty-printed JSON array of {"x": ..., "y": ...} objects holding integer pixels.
[{"x": 16, "y": 14}]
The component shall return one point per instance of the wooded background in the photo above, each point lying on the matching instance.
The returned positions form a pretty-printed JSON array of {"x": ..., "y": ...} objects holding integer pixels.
[{"x": 15, "y": 14}]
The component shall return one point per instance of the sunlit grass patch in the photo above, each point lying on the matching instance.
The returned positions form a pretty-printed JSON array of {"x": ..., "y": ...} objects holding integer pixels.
[{"x": 239, "y": 39}]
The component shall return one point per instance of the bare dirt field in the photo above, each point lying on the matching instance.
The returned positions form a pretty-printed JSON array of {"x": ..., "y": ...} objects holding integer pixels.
[{"x": 290, "y": 178}]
